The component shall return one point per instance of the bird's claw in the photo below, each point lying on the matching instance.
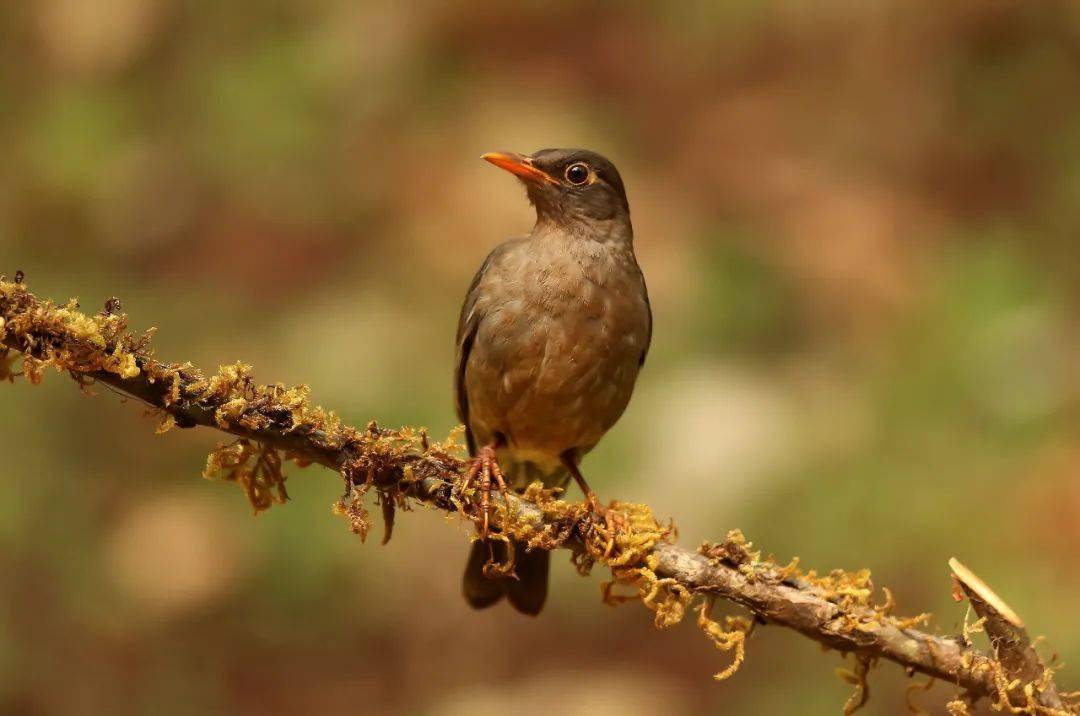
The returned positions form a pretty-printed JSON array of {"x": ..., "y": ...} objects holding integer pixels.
[
  {"x": 593, "y": 504},
  {"x": 613, "y": 519},
  {"x": 483, "y": 470}
]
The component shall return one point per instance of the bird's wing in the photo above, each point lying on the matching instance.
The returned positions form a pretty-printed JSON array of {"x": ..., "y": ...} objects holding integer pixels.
[
  {"x": 648, "y": 313},
  {"x": 468, "y": 323}
]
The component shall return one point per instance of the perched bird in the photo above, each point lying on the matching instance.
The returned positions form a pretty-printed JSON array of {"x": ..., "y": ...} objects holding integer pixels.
[{"x": 552, "y": 334}]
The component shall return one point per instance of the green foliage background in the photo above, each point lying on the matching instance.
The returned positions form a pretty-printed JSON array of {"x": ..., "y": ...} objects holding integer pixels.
[{"x": 859, "y": 222}]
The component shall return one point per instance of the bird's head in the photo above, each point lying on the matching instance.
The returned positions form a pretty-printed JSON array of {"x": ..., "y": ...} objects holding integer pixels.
[{"x": 570, "y": 187}]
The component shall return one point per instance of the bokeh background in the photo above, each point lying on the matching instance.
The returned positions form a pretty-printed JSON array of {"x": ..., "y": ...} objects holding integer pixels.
[{"x": 859, "y": 221}]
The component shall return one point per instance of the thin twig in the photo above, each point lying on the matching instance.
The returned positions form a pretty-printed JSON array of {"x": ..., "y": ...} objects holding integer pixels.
[{"x": 1023, "y": 680}]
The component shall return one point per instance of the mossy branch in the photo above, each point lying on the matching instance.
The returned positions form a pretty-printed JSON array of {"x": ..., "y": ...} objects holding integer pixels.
[{"x": 273, "y": 424}]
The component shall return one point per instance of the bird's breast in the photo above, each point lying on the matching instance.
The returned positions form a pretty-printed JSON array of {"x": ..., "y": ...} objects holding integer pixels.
[{"x": 559, "y": 345}]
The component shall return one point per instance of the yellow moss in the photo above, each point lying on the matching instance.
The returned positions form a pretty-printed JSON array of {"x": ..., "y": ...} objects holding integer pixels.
[
  {"x": 34, "y": 369},
  {"x": 351, "y": 508},
  {"x": 627, "y": 535},
  {"x": 7, "y": 364},
  {"x": 848, "y": 589},
  {"x": 666, "y": 597},
  {"x": 80, "y": 326},
  {"x": 789, "y": 570},
  {"x": 64, "y": 337},
  {"x": 165, "y": 424},
  {"x": 970, "y": 628},
  {"x": 172, "y": 396},
  {"x": 918, "y": 620},
  {"x": 228, "y": 382},
  {"x": 731, "y": 636},
  {"x": 120, "y": 362},
  {"x": 916, "y": 687},
  {"x": 256, "y": 468},
  {"x": 295, "y": 400},
  {"x": 957, "y": 707},
  {"x": 1003, "y": 686},
  {"x": 735, "y": 550},
  {"x": 230, "y": 412},
  {"x": 857, "y": 678}
]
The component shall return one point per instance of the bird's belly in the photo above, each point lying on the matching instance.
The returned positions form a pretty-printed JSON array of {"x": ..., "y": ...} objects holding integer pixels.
[{"x": 551, "y": 381}]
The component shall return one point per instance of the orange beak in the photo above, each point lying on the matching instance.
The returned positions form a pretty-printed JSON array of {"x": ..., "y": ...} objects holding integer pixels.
[{"x": 519, "y": 165}]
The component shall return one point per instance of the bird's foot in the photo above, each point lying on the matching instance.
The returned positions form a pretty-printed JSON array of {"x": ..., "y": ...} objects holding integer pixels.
[
  {"x": 613, "y": 519},
  {"x": 593, "y": 504},
  {"x": 483, "y": 471}
]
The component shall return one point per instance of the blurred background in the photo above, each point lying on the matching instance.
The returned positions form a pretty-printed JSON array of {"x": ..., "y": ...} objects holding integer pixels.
[{"x": 859, "y": 222}]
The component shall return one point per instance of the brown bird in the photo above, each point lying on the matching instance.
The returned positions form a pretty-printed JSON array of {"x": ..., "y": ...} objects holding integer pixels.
[{"x": 552, "y": 334}]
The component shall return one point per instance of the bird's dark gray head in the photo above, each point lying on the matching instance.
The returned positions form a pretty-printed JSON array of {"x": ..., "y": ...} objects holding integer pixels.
[{"x": 569, "y": 186}]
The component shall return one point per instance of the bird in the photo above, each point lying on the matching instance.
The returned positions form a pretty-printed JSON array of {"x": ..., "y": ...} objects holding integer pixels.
[{"x": 553, "y": 331}]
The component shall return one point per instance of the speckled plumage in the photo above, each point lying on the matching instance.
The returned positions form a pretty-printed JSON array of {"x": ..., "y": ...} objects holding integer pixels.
[{"x": 552, "y": 334}]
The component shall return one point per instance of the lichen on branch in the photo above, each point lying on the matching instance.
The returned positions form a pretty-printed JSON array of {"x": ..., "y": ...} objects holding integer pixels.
[{"x": 273, "y": 425}]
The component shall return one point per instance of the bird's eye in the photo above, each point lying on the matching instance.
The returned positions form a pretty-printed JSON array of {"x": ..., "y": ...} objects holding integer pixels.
[{"x": 577, "y": 174}]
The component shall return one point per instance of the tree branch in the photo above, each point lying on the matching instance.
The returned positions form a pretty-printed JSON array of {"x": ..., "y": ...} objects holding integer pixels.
[
  {"x": 1015, "y": 658},
  {"x": 275, "y": 423}
]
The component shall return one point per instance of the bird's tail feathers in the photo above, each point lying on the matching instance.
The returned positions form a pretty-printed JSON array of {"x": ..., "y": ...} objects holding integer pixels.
[{"x": 526, "y": 589}]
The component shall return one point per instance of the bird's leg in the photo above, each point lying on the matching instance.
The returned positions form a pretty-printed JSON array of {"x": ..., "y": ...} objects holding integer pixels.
[
  {"x": 612, "y": 519},
  {"x": 591, "y": 500},
  {"x": 483, "y": 469}
]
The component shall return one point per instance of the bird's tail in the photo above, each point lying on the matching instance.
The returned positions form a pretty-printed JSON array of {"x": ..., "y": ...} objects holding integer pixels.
[{"x": 527, "y": 588}]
